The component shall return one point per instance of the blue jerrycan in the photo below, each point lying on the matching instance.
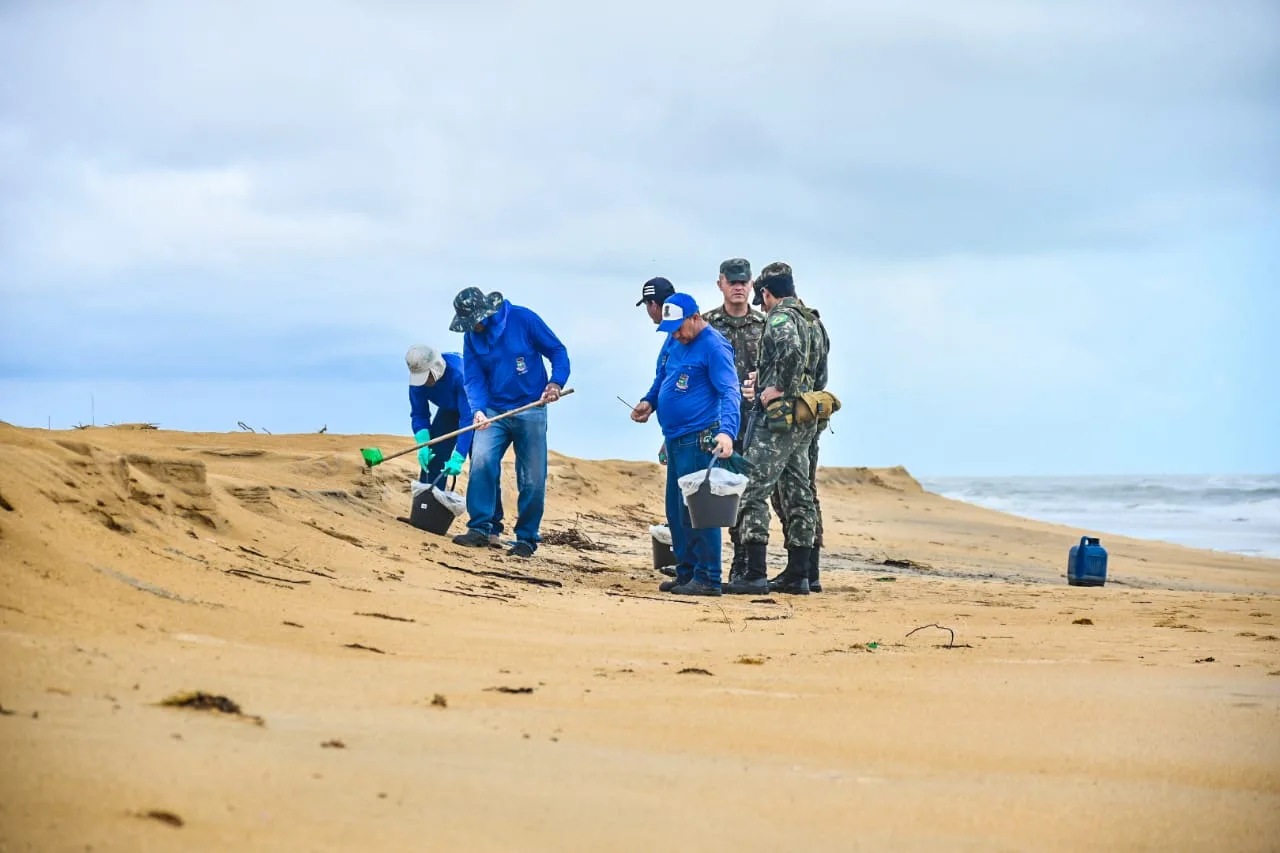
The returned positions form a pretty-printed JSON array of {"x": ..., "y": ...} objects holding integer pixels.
[{"x": 1087, "y": 565}]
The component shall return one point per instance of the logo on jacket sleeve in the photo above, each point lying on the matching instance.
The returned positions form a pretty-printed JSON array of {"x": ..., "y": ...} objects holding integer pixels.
[{"x": 521, "y": 367}]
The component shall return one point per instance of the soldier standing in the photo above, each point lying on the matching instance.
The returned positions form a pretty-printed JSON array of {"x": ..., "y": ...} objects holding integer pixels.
[
  {"x": 793, "y": 360},
  {"x": 815, "y": 583},
  {"x": 742, "y": 326}
]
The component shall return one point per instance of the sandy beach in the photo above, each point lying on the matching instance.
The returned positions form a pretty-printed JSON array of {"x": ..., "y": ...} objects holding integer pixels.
[{"x": 401, "y": 693}]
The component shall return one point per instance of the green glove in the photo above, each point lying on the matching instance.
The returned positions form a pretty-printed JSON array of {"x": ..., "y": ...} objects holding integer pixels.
[
  {"x": 424, "y": 453},
  {"x": 453, "y": 467}
]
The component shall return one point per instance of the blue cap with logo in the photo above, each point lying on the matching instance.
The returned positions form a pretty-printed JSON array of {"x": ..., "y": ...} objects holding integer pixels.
[{"x": 678, "y": 308}]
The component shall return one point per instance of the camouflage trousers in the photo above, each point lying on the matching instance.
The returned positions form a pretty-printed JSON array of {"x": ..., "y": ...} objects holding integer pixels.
[
  {"x": 781, "y": 461},
  {"x": 776, "y": 500}
]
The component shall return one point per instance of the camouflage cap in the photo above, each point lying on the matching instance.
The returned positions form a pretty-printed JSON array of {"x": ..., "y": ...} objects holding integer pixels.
[
  {"x": 736, "y": 269},
  {"x": 471, "y": 308},
  {"x": 775, "y": 268}
]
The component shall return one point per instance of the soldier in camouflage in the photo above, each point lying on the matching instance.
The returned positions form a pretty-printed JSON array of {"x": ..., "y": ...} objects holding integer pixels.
[
  {"x": 743, "y": 326},
  {"x": 793, "y": 359},
  {"x": 815, "y": 583}
]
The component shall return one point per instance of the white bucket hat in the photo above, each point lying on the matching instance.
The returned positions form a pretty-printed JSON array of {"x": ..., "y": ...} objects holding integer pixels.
[{"x": 424, "y": 362}]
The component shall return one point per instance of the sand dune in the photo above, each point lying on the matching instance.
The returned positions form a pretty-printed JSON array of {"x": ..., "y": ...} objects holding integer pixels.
[{"x": 388, "y": 668}]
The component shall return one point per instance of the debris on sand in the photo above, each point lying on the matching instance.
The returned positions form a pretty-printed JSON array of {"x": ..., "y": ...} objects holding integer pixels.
[
  {"x": 1206, "y": 660},
  {"x": 198, "y": 700},
  {"x": 1082, "y": 622},
  {"x": 6, "y": 712},
  {"x": 509, "y": 689},
  {"x": 573, "y": 538},
  {"x": 165, "y": 817},
  {"x": 385, "y": 616},
  {"x": 750, "y": 661},
  {"x": 693, "y": 670},
  {"x": 439, "y": 701},
  {"x": 364, "y": 648},
  {"x": 907, "y": 564},
  {"x": 333, "y": 743}
]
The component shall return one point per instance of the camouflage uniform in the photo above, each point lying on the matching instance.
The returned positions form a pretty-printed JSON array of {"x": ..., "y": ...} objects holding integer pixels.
[
  {"x": 782, "y": 459},
  {"x": 744, "y": 334},
  {"x": 819, "y": 384}
]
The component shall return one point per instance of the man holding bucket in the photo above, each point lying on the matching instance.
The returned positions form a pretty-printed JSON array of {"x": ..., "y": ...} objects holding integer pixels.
[
  {"x": 793, "y": 361},
  {"x": 696, "y": 397},
  {"x": 436, "y": 379},
  {"x": 503, "y": 350}
]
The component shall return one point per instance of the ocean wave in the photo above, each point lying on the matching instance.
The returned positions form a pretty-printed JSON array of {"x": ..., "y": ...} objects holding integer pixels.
[{"x": 1231, "y": 513}]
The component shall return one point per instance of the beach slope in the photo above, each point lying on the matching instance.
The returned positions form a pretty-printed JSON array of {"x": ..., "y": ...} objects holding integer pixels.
[{"x": 397, "y": 692}]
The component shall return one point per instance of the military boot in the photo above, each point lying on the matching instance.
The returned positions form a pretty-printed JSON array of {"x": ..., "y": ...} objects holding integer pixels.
[
  {"x": 815, "y": 585},
  {"x": 739, "y": 565},
  {"x": 755, "y": 578},
  {"x": 794, "y": 579}
]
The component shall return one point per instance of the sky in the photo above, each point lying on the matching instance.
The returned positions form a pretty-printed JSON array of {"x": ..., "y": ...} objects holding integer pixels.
[{"x": 1044, "y": 236}]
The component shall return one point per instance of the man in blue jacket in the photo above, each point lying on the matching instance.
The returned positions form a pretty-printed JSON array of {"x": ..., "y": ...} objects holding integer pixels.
[
  {"x": 502, "y": 356},
  {"x": 436, "y": 379},
  {"x": 696, "y": 396}
]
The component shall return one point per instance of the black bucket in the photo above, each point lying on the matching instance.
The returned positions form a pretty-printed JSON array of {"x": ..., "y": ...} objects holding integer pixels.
[
  {"x": 663, "y": 554},
  {"x": 430, "y": 514},
  {"x": 707, "y": 510}
]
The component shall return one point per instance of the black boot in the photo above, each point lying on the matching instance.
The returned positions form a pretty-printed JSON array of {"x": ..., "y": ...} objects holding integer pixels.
[
  {"x": 755, "y": 579},
  {"x": 739, "y": 565},
  {"x": 815, "y": 585},
  {"x": 794, "y": 579}
]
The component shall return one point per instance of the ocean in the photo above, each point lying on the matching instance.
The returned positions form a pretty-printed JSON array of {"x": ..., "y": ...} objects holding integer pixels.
[{"x": 1238, "y": 514}]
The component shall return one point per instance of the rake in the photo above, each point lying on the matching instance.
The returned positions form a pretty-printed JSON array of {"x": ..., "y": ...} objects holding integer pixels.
[{"x": 374, "y": 456}]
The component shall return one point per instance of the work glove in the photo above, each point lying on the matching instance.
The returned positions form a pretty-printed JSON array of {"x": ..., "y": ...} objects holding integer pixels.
[
  {"x": 453, "y": 467},
  {"x": 424, "y": 453}
]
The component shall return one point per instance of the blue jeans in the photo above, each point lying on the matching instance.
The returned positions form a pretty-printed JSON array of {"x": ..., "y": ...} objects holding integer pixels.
[
  {"x": 697, "y": 551},
  {"x": 446, "y": 421},
  {"x": 528, "y": 432}
]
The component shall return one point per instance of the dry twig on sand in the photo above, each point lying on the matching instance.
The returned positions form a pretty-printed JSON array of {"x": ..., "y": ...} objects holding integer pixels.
[{"x": 951, "y": 644}]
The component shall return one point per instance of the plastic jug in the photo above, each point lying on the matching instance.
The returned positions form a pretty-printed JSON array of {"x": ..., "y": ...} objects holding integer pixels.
[{"x": 1087, "y": 565}]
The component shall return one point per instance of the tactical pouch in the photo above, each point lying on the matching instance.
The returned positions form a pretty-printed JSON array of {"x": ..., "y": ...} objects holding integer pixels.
[
  {"x": 779, "y": 416},
  {"x": 816, "y": 406}
]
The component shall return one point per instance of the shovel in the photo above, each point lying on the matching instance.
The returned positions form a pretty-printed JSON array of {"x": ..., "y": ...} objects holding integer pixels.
[{"x": 374, "y": 456}]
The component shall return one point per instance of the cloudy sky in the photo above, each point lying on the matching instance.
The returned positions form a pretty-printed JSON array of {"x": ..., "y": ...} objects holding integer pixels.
[{"x": 1045, "y": 235}]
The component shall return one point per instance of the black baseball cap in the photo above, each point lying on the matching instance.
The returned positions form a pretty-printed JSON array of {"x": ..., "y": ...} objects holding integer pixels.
[{"x": 656, "y": 290}]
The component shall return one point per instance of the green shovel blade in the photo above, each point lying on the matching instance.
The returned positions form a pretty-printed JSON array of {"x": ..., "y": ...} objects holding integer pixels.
[{"x": 372, "y": 456}]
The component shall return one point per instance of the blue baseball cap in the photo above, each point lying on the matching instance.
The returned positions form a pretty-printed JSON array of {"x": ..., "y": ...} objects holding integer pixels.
[{"x": 677, "y": 308}]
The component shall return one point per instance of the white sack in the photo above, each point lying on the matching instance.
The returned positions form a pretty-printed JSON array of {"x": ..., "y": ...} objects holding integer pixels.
[
  {"x": 451, "y": 501},
  {"x": 722, "y": 482},
  {"x": 661, "y": 533}
]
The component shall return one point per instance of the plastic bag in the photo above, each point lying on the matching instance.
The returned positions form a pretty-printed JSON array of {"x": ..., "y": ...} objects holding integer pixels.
[
  {"x": 661, "y": 533},
  {"x": 452, "y": 501},
  {"x": 722, "y": 482}
]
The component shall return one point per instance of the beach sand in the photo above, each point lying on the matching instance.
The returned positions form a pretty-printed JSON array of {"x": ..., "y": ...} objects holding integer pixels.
[{"x": 272, "y": 570}]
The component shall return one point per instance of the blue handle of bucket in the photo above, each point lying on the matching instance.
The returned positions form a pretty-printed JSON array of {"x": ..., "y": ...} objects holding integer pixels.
[{"x": 710, "y": 465}]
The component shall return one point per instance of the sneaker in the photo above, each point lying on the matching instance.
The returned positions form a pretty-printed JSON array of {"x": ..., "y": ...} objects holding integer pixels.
[
  {"x": 667, "y": 586},
  {"x": 495, "y": 540},
  {"x": 472, "y": 539},
  {"x": 696, "y": 588},
  {"x": 521, "y": 549},
  {"x": 669, "y": 571}
]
